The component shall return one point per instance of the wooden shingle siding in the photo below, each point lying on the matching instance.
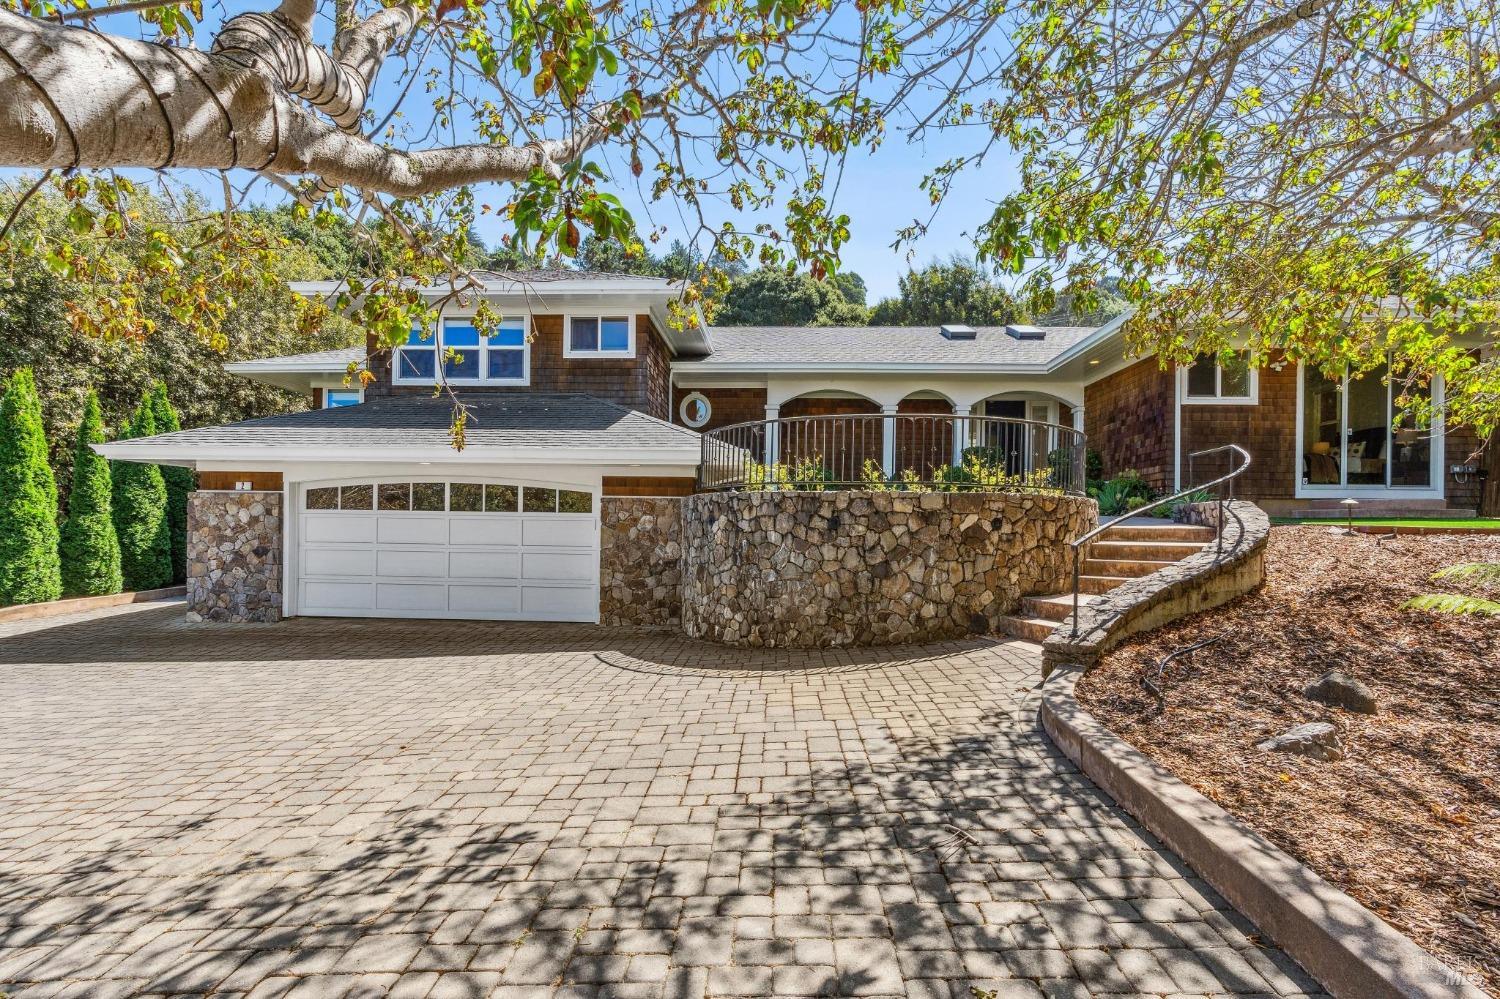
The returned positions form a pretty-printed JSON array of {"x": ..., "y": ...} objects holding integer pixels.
[
  {"x": 729, "y": 405},
  {"x": 1268, "y": 431},
  {"x": 261, "y": 481},
  {"x": 646, "y": 485},
  {"x": 640, "y": 382},
  {"x": 1128, "y": 420}
]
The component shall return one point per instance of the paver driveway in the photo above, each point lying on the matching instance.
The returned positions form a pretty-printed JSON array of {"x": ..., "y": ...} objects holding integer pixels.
[{"x": 331, "y": 808}]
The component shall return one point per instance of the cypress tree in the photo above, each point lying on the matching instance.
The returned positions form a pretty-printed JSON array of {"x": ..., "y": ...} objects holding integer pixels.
[
  {"x": 90, "y": 548},
  {"x": 179, "y": 482},
  {"x": 140, "y": 512},
  {"x": 29, "y": 569}
]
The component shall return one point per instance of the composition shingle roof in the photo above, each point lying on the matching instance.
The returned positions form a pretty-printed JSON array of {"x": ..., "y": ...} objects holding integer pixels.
[
  {"x": 859, "y": 345},
  {"x": 521, "y": 420},
  {"x": 340, "y": 356}
]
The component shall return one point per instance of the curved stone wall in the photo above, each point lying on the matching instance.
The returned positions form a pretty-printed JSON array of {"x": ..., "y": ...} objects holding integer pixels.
[{"x": 814, "y": 569}]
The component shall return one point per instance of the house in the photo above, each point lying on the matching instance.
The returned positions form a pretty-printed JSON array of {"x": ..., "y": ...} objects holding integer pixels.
[{"x": 587, "y": 397}]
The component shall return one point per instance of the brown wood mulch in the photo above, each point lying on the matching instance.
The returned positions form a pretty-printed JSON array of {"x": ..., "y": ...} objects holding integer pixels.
[{"x": 1408, "y": 822}]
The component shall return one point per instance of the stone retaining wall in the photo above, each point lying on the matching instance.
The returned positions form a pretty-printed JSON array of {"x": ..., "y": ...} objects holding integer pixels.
[
  {"x": 234, "y": 556},
  {"x": 815, "y": 569},
  {"x": 640, "y": 561},
  {"x": 1212, "y": 577}
]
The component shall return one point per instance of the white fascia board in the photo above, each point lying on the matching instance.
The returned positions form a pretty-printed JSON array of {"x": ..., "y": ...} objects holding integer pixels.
[
  {"x": 275, "y": 366},
  {"x": 1094, "y": 339},
  {"x": 179, "y": 454},
  {"x": 856, "y": 367}
]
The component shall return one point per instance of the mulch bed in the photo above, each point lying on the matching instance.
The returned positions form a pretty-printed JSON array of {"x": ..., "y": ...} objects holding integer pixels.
[{"x": 1408, "y": 822}]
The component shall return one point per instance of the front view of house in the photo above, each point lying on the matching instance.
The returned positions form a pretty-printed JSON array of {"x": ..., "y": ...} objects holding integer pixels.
[{"x": 586, "y": 403}]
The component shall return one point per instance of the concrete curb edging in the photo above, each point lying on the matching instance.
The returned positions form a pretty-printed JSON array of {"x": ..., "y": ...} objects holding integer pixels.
[
  {"x": 1199, "y": 582},
  {"x": 1346, "y": 947},
  {"x": 74, "y": 605}
]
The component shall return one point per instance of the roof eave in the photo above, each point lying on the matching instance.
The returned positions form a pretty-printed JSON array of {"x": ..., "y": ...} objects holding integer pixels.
[{"x": 188, "y": 454}]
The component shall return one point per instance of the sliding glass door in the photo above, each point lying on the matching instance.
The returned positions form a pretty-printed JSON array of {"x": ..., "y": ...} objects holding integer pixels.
[{"x": 1351, "y": 439}]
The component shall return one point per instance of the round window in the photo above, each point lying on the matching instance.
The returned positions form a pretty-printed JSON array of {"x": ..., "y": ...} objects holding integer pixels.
[{"x": 695, "y": 410}]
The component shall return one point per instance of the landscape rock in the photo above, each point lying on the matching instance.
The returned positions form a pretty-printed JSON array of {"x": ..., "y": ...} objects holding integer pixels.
[
  {"x": 1315, "y": 740},
  {"x": 1342, "y": 691}
]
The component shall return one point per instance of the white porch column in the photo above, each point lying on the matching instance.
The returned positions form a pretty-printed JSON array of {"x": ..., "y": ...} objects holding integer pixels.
[
  {"x": 1078, "y": 418},
  {"x": 773, "y": 435},
  {"x": 960, "y": 432},
  {"x": 888, "y": 440}
]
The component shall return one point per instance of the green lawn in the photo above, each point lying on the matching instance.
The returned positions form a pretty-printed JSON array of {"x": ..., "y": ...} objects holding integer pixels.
[{"x": 1439, "y": 522}]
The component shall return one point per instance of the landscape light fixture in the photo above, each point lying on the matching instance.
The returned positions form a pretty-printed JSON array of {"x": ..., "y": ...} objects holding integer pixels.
[{"x": 1349, "y": 503}]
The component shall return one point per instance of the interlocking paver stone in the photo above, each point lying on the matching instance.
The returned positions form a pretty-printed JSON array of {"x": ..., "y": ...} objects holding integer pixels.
[{"x": 430, "y": 809}]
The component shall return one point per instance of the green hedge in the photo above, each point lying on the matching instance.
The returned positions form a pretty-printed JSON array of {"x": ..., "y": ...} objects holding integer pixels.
[
  {"x": 140, "y": 513},
  {"x": 29, "y": 567},
  {"x": 178, "y": 480},
  {"x": 90, "y": 548}
]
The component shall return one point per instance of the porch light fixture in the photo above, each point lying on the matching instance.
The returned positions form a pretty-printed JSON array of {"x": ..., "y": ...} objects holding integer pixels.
[
  {"x": 1094, "y": 361},
  {"x": 1349, "y": 503}
]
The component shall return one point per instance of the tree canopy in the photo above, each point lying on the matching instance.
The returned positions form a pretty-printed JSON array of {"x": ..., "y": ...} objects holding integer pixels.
[
  {"x": 1318, "y": 174},
  {"x": 1322, "y": 176},
  {"x": 773, "y": 297}
]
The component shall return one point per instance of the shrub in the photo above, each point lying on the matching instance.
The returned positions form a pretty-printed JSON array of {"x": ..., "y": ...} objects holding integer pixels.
[
  {"x": 1121, "y": 494},
  {"x": 1093, "y": 464},
  {"x": 90, "y": 548},
  {"x": 29, "y": 568},
  {"x": 140, "y": 513},
  {"x": 804, "y": 475},
  {"x": 178, "y": 480}
]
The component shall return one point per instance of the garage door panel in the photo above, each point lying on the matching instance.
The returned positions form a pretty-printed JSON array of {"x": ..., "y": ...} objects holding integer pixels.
[
  {"x": 337, "y": 528},
  {"x": 424, "y": 563},
  {"x": 338, "y": 594},
  {"x": 405, "y": 529},
  {"x": 558, "y": 530},
  {"x": 321, "y": 561},
  {"x": 559, "y": 603},
  {"x": 490, "y": 530},
  {"x": 483, "y": 598},
  {"x": 397, "y": 597},
  {"x": 485, "y": 565},
  {"x": 441, "y": 564},
  {"x": 558, "y": 565}
]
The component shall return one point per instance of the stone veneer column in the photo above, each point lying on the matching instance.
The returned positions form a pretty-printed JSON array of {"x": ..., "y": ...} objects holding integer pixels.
[
  {"x": 640, "y": 560},
  {"x": 234, "y": 556}
]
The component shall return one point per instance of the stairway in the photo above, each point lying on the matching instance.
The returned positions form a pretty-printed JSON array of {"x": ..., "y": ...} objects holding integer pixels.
[{"x": 1119, "y": 554}]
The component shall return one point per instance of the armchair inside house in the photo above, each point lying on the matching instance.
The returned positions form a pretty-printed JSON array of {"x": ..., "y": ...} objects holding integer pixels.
[{"x": 1320, "y": 466}]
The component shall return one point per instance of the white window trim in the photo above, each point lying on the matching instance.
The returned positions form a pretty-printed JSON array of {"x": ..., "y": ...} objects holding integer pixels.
[
  {"x": 1252, "y": 399},
  {"x": 359, "y": 390},
  {"x": 567, "y": 333},
  {"x": 1438, "y": 483},
  {"x": 708, "y": 410},
  {"x": 440, "y": 348}
]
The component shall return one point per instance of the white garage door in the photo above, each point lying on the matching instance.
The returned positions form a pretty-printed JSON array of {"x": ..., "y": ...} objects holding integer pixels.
[{"x": 476, "y": 550}]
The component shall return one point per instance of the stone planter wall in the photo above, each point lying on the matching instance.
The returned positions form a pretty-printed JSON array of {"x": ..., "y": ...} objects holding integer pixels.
[
  {"x": 809, "y": 569},
  {"x": 234, "y": 556},
  {"x": 640, "y": 561}
]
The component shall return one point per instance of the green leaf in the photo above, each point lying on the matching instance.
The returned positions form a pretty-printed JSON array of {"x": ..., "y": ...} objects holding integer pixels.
[
  {"x": 1482, "y": 572},
  {"x": 1453, "y": 603}
]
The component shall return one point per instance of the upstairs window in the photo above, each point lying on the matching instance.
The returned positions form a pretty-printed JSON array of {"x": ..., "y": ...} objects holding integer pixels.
[
  {"x": 600, "y": 336},
  {"x": 336, "y": 398},
  {"x": 467, "y": 357},
  {"x": 1208, "y": 381}
]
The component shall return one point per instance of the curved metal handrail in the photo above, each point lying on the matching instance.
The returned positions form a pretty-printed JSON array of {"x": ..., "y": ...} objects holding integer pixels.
[
  {"x": 836, "y": 447},
  {"x": 1229, "y": 478}
]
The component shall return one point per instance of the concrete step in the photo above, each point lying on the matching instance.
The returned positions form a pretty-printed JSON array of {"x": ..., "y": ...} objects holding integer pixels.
[
  {"x": 1056, "y": 607},
  {"x": 1095, "y": 585},
  {"x": 1150, "y": 551},
  {"x": 1165, "y": 532},
  {"x": 1031, "y": 629},
  {"x": 1124, "y": 567}
]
